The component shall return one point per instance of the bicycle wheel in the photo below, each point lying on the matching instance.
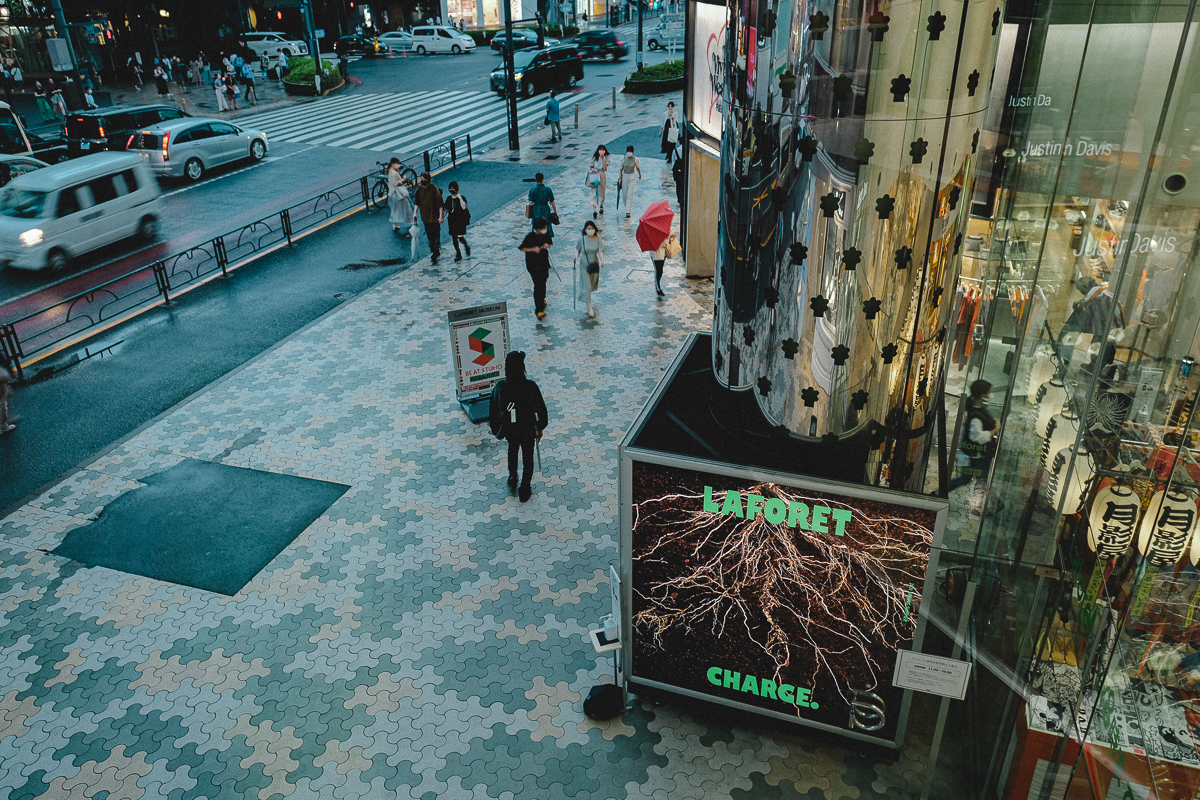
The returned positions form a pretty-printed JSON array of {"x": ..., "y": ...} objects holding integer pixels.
[
  {"x": 408, "y": 176},
  {"x": 379, "y": 194}
]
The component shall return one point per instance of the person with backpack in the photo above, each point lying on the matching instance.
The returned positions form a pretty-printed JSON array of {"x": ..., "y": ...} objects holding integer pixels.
[
  {"x": 517, "y": 414},
  {"x": 457, "y": 219}
]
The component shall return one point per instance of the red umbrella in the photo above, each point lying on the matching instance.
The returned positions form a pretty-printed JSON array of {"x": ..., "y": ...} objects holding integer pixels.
[{"x": 655, "y": 226}]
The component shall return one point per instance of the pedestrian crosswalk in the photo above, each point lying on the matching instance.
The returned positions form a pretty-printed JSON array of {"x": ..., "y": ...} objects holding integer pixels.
[{"x": 401, "y": 122}]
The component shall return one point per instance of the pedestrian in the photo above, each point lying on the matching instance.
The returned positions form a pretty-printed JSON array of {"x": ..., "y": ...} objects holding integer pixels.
[
  {"x": 669, "y": 131},
  {"x": 536, "y": 247},
  {"x": 598, "y": 179},
  {"x": 248, "y": 82},
  {"x": 57, "y": 103},
  {"x": 194, "y": 72},
  {"x": 677, "y": 174},
  {"x": 218, "y": 85},
  {"x": 282, "y": 68},
  {"x": 8, "y": 423},
  {"x": 589, "y": 259},
  {"x": 88, "y": 100},
  {"x": 18, "y": 77},
  {"x": 541, "y": 205},
  {"x": 977, "y": 442},
  {"x": 135, "y": 72},
  {"x": 659, "y": 257},
  {"x": 400, "y": 211},
  {"x": 631, "y": 173},
  {"x": 206, "y": 73},
  {"x": 231, "y": 92},
  {"x": 552, "y": 120},
  {"x": 43, "y": 102},
  {"x": 160, "y": 80},
  {"x": 517, "y": 414},
  {"x": 457, "y": 219},
  {"x": 344, "y": 65},
  {"x": 432, "y": 211}
]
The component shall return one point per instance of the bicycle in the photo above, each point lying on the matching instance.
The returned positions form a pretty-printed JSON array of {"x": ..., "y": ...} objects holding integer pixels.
[{"x": 379, "y": 192}]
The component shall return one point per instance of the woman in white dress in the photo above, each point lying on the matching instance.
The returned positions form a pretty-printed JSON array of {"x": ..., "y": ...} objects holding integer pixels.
[
  {"x": 398, "y": 201},
  {"x": 598, "y": 178}
]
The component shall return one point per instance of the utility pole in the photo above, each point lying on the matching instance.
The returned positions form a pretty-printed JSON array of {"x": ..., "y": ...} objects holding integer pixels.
[
  {"x": 510, "y": 81},
  {"x": 639, "y": 55},
  {"x": 60, "y": 21}
]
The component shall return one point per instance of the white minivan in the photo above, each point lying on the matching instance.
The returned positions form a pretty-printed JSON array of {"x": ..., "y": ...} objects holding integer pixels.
[
  {"x": 440, "y": 39},
  {"x": 53, "y": 214}
]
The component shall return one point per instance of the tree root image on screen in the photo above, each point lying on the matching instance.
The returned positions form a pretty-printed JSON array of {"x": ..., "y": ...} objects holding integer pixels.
[{"x": 796, "y": 588}]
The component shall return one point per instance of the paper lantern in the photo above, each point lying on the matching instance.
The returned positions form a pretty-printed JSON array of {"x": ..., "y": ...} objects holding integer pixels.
[
  {"x": 1051, "y": 396},
  {"x": 1061, "y": 431},
  {"x": 1167, "y": 527},
  {"x": 1113, "y": 520},
  {"x": 1068, "y": 493}
]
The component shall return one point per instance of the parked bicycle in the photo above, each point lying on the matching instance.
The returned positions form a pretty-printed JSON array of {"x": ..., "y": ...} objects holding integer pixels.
[{"x": 379, "y": 192}]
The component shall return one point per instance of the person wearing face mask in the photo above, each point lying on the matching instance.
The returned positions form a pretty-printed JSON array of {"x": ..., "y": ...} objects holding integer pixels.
[
  {"x": 589, "y": 258},
  {"x": 457, "y": 219},
  {"x": 631, "y": 171},
  {"x": 669, "y": 131},
  {"x": 431, "y": 211},
  {"x": 598, "y": 179}
]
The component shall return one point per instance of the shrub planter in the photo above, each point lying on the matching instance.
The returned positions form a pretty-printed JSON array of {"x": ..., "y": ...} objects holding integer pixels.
[
  {"x": 299, "y": 80},
  {"x": 654, "y": 87},
  {"x": 308, "y": 89}
]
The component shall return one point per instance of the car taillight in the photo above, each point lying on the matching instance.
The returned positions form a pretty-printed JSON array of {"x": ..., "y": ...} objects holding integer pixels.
[
  {"x": 166, "y": 139},
  {"x": 620, "y": 43},
  {"x": 129, "y": 144},
  {"x": 102, "y": 136}
]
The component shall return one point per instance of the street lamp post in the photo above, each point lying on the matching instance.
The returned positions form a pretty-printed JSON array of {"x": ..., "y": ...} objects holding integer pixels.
[
  {"x": 510, "y": 80},
  {"x": 639, "y": 55}
]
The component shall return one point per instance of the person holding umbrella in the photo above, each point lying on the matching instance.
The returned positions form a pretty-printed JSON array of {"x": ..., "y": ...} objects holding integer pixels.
[{"x": 654, "y": 236}]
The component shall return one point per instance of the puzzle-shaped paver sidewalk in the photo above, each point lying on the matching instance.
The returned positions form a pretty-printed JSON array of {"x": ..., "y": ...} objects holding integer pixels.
[{"x": 426, "y": 636}]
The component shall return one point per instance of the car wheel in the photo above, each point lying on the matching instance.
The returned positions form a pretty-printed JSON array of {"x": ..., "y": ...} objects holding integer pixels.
[
  {"x": 529, "y": 89},
  {"x": 572, "y": 81},
  {"x": 652, "y": 44},
  {"x": 56, "y": 260},
  {"x": 193, "y": 170},
  {"x": 148, "y": 229},
  {"x": 455, "y": 49},
  {"x": 420, "y": 49},
  {"x": 258, "y": 149},
  {"x": 610, "y": 57}
]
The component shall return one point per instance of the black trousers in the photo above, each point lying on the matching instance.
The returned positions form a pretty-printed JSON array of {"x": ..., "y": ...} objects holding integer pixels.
[
  {"x": 540, "y": 276},
  {"x": 524, "y": 443},
  {"x": 658, "y": 270},
  {"x": 433, "y": 232},
  {"x": 456, "y": 240}
]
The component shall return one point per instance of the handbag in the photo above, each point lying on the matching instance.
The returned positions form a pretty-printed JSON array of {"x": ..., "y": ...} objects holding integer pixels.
[
  {"x": 553, "y": 218},
  {"x": 546, "y": 121},
  {"x": 673, "y": 246},
  {"x": 529, "y": 211}
]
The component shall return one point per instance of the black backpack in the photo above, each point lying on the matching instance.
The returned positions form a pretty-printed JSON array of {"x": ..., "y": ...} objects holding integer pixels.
[{"x": 604, "y": 701}]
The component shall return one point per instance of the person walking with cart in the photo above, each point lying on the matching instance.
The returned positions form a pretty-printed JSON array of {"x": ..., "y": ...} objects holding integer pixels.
[
  {"x": 430, "y": 208},
  {"x": 517, "y": 414},
  {"x": 536, "y": 247},
  {"x": 457, "y": 219}
]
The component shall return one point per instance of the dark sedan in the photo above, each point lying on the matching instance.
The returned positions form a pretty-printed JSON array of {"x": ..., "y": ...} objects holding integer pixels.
[
  {"x": 522, "y": 38},
  {"x": 51, "y": 151},
  {"x": 353, "y": 45}
]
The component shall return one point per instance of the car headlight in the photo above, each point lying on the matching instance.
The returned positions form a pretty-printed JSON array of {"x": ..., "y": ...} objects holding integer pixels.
[
  {"x": 518, "y": 75},
  {"x": 31, "y": 237}
]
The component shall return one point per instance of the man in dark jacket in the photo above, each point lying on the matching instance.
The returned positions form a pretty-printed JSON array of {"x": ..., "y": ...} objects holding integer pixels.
[
  {"x": 429, "y": 207},
  {"x": 517, "y": 413}
]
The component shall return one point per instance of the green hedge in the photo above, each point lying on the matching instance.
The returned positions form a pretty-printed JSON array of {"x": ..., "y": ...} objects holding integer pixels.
[
  {"x": 301, "y": 70},
  {"x": 665, "y": 71}
]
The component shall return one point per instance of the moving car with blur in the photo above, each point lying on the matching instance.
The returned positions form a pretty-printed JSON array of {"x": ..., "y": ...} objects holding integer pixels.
[
  {"x": 522, "y": 38},
  {"x": 600, "y": 44},
  {"x": 355, "y": 45},
  {"x": 397, "y": 40},
  {"x": 538, "y": 70},
  {"x": 50, "y": 215},
  {"x": 188, "y": 148},
  {"x": 272, "y": 43},
  {"x": 109, "y": 128}
]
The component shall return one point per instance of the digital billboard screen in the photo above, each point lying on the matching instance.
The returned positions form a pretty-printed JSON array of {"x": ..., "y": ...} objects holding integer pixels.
[{"x": 769, "y": 595}]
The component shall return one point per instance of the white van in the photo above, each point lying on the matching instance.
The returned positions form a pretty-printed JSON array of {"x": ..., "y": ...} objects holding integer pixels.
[
  {"x": 440, "y": 39},
  {"x": 49, "y": 216}
]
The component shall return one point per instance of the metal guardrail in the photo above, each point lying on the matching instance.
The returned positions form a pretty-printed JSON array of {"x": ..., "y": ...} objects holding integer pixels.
[{"x": 73, "y": 319}]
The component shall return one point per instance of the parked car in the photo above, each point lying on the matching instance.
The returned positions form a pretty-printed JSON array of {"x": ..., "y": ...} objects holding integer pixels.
[
  {"x": 187, "y": 148},
  {"x": 440, "y": 39},
  {"x": 397, "y": 40},
  {"x": 48, "y": 149},
  {"x": 666, "y": 35},
  {"x": 537, "y": 70},
  {"x": 522, "y": 38},
  {"x": 354, "y": 45},
  {"x": 53, "y": 214},
  {"x": 600, "y": 44},
  {"x": 272, "y": 43},
  {"x": 109, "y": 128}
]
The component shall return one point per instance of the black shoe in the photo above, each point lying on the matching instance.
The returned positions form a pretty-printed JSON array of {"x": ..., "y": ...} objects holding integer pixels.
[
  {"x": 468, "y": 248},
  {"x": 458, "y": 256},
  {"x": 512, "y": 483},
  {"x": 660, "y": 292},
  {"x": 524, "y": 494},
  {"x": 434, "y": 260}
]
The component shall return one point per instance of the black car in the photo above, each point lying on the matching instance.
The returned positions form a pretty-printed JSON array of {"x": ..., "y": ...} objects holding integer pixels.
[
  {"x": 600, "y": 44},
  {"x": 537, "y": 70},
  {"x": 354, "y": 45},
  {"x": 522, "y": 39},
  {"x": 109, "y": 128},
  {"x": 51, "y": 151}
]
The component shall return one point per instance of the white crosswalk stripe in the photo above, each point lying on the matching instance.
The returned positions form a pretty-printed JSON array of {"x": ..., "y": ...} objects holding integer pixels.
[{"x": 401, "y": 122}]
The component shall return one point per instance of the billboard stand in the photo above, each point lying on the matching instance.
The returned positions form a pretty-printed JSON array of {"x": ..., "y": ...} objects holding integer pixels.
[{"x": 478, "y": 346}]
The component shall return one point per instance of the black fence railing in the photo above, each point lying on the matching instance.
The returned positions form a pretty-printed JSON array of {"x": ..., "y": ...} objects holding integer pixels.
[{"x": 71, "y": 320}]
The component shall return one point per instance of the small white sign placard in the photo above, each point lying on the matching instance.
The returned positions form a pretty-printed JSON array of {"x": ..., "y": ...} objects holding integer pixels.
[{"x": 947, "y": 677}]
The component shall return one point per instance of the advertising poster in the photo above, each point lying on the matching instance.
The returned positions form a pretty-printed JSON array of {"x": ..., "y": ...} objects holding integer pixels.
[
  {"x": 785, "y": 600},
  {"x": 478, "y": 344},
  {"x": 708, "y": 71}
]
